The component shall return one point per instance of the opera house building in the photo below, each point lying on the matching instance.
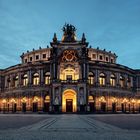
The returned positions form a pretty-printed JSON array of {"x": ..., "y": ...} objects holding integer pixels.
[{"x": 69, "y": 76}]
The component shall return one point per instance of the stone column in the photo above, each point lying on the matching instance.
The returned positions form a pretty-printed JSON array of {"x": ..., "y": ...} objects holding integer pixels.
[
  {"x": 19, "y": 80},
  {"x": 108, "y": 78},
  {"x": 125, "y": 80},
  {"x": 41, "y": 77},
  {"x": 11, "y": 81},
  {"x": 97, "y": 77},
  {"x": 131, "y": 79},
  {"x": 6, "y": 85},
  {"x": 54, "y": 70},
  {"x": 118, "y": 79},
  {"x": 29, "y": 73},
  {"x": 84, "y": 70}
]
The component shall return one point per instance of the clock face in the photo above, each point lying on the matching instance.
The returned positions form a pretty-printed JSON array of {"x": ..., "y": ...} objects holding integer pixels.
[{"x": 69, "y": 56}]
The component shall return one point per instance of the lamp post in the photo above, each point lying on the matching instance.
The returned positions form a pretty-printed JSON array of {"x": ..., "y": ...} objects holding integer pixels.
[
  {"x": 24, "y": 100},
  {"x": 103, "y": 103},
  {"x": 129, "y": 106},
  {"x": 133, "y": 102},
  {"x": 125, "y": 102},
  {"x": 4, "y": 105},
  {"x": 114, "y": 101},
  {"x": 13, "y": 105}
]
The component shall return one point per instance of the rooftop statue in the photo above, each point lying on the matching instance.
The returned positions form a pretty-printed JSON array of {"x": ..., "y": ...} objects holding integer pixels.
[{"x": 69, "y": 33}]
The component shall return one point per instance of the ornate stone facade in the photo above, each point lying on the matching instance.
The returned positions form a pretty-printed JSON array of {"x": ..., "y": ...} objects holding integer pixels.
[{"x": 69, "y": 76}]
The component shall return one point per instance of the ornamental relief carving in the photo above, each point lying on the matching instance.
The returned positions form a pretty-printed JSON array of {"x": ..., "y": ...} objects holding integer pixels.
[{"x": 69, "y": 56}]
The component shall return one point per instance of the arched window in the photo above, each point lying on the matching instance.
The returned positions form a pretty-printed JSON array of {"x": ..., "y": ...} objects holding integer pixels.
[
  {"x": 122, "y": 81},
  {"x": 129, "y": 82},
  {"x": 91, "y": 78},
  {"x": 46, "y": 103},
  {"x": 69, "y": 74},
  {"x": 102, "y": 100},
  {"x": 36, "y": 79},
  {"x": 24, "y": 100},
  {"x": 16, "y": 81},
  {"x": 112, "y": 80},
  {"x": 102, "y": 79},
  {"x": 90, "y": 99},
  {"x": 36, "y": 99},
  {"x": 47, "y": 99},
  {"x": 35, "y": 103},
  {"x": 47, "y": 78},
  {"x": 25, "y": 79}
]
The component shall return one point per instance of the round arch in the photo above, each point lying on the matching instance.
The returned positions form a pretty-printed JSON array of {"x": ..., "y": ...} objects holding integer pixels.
[{"x": 69, "y": 101}]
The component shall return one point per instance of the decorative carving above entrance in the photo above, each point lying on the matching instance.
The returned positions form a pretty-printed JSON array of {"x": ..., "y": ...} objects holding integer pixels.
[{"x": 69, "y": 56}]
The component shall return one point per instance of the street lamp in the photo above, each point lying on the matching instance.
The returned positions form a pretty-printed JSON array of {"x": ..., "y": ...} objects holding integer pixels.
[
  {"x": 13, "y": 101},
  {"x": 103, "y": 103},
  {"x": 133, "y": 102},
  {"x": 24, "y": 100},
  {"x": 125, "y": 102},
  {"x": 114, "y": 101},
  {"x": 4, "y": 105},
  {"x": 129, "y": 106}
]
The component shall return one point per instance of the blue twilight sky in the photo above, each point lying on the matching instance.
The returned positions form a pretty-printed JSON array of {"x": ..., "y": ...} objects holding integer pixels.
[{"x": 110, "y": 24}]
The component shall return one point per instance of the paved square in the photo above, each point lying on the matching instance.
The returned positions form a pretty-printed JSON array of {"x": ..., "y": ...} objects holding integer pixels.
[{"x": 69, "y": 127}]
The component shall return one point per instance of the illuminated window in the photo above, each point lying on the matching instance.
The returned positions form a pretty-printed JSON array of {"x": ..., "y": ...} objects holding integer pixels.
[
  {"x": 25, "y": 80},
  {"x": 112, "y": 80},
  {"x": 24, "y": 100},
  {"x": 36, "y": 79},
  {"x": 47, "y": 78},
  {"x": 102, "y": 79},
  {"x": 90, "y": 99},
  {"x": 69, "y": 77},
  {"x": 121, "y": 81},
  {"x": 47, "y": 99},
  {"x": 102, "y": 99},
  {"x": 91, "y": 78},
  {"x": 69, "y": 72},
  {"x": 36, "y": 99},
  {"x": 16, "y": 81}
]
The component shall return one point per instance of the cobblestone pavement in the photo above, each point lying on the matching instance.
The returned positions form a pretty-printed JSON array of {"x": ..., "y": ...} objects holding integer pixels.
[
  {"x": 124, "y": 121},
  {"x": 68, "y": 127}
]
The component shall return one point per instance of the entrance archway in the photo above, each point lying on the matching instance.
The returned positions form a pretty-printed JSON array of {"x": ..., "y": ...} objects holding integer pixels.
[
  {"x": 35, "y": 104},
  {"x": 69, "y": 101},
  {"x": 46, "y": 104},
  {"x": 91, "y": 103}
]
